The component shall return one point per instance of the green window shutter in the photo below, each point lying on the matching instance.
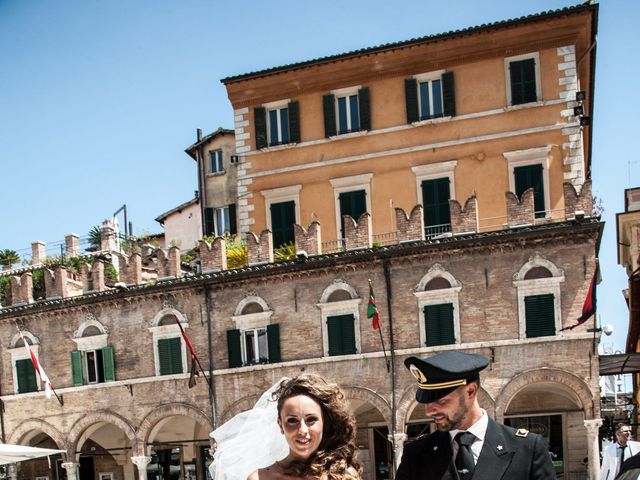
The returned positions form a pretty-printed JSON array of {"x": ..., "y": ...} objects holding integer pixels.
[
  {"x": 435, "y": 201},
  {"x": 531, "y": 176},
  {"x": 260, "y": 123},
  {"x": 329, "y": 109},
  {"x": 411, "y": 99},
  {"x": 539, "y": 315},
  {"x": 523, "y": 81},
  {"x": 348, "y": 334},
  {"x": 170, "y": 355},
  {"x": 108, "y": 366},
  {"x": 234, "y": 349},
  {"x": 273, "y": 338},
  {"x": 233, "y": 224},
  {"x": 283, "y": 216},
  {"x": 76, "y": 367},
  {"x": 438, "y": 321},
  {"x": 341, "y": 335},
  {"x": 353, "y": 204},
  {"x": 176, "y": 354},
  {"x": 294, "y": 122},
  {"x": 209, "y": 226},
  {"x": 334, "y": 334},
  {"x": 364, "y": 106},
  {"x": 448, "y": 95},
  {"x": 26, "y": 374}
]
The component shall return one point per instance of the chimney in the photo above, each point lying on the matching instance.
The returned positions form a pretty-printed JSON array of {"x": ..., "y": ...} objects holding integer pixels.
[
  {"x": 72, "y": 245},
  {"x": 38, "y": 252}
]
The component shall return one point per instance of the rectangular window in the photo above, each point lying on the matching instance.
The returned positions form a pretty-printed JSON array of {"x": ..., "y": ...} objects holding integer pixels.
[
  {"x": 522, "y": 75},
  {"x": 170, "y": 355},
  {"x": 220, "y": 221},
  {"x": 438, "y": 321},
  {"x": 27, "y": 381},
  {"x": 435, "y": 201},
  {"x": 348, "y": 113},
  {"x": 215, "y": 161},
  {"x": 539, "y": 315},
  {"x": 256, "y": 347},
  {"x": 283, "y": 217},
  {"x": 353, "y": 204},
  {"x": 430, "y": 93},
  {"x": 530, "y": 176},
  {"x": 341, "y": 333},
  {"x": 92, "y": 366},
  {"x": 278, "y": 126}
]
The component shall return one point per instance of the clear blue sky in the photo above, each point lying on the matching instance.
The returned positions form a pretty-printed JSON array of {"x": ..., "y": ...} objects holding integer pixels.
[{"x": 99, "y": 99}]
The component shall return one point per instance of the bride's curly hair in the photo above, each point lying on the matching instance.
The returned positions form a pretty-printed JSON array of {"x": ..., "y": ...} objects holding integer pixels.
[{"x": 335, "y": 457}]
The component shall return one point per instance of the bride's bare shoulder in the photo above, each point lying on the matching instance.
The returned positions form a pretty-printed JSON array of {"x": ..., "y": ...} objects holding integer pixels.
[{"x": 268, "y": 473}]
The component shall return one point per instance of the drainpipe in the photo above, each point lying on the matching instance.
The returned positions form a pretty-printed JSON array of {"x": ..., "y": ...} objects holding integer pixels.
[
  {"x": 201, "y": 179},
  {"x": 387, "y": 278},
  {"x": 212, "y": 383}
]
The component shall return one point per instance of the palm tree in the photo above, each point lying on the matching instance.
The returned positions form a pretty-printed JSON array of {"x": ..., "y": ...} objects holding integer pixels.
[
  {"x": 8, "y": 258},
  {"x": 95, "y": 238}
]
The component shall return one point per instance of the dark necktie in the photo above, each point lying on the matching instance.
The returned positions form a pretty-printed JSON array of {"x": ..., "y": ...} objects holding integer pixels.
[
  {"x": 464, "y": 458},
  {"x": 622, "y": 449}
]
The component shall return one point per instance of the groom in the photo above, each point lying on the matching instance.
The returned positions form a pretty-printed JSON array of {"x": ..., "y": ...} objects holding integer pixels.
[{"x": 467, "y": 443}]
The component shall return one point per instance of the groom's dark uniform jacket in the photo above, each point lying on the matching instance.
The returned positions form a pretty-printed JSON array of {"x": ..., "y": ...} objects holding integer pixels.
[{"x": 507, "y": 454}]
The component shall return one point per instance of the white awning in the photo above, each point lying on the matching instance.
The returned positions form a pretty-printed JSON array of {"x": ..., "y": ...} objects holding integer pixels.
[{"x": 19, "y": 453}]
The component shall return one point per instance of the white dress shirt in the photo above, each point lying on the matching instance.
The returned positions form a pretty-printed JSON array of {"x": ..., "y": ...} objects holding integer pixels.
[{"x": 479, "y": 430}]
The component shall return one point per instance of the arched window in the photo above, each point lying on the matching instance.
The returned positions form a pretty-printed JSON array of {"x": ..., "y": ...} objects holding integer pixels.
[
  {"x": 438, "y": 307},
  {"x": 255, "y": 340},
  {"x": 25, "y": 378},
  {"x": 538, "y": 285},
  {"x": 170, "y": 351},
  {"x": 339, "y": 307},
  {"x": 92, "y": 362}
]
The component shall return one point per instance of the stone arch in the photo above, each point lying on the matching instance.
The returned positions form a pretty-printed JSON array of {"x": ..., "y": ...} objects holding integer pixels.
[
  {"x": 27, "y": 335},
  {"x": 370, "y": 396},
  {"x": 338, "y": 284},
  {"x": 155, "y": 321},
  {"x": 248, "y": 300},
  {"x": 436, "y": 271},
  {"x": 89, "y": 323},
  {"x": 546, "y": 375},
  {"x": 242, "y": 405},
  {"x": 93, "y": 418},
  {"x": 537, "y": 260},
  {"x": 25, "y": 427},
  {"x": 164, "y": 411}
]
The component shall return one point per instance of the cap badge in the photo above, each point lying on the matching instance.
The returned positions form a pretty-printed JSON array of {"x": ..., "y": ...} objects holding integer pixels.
[
  {"x": 499, "y": 447},
  {"x": 415, "y": 371}
]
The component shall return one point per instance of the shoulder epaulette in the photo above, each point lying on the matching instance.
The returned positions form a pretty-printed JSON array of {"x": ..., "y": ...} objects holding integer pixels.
[{"x": 522, "y": 432}]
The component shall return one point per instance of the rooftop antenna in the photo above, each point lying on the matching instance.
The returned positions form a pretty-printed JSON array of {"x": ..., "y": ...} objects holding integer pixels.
[{"x": 127, "y": 228}]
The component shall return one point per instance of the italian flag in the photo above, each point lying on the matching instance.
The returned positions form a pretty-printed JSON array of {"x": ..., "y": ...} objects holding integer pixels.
[{"x": 372, "y": 309}]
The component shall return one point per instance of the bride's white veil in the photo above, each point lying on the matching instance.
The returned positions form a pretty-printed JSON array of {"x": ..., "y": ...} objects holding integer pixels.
[{"x": 248, "y": 441}]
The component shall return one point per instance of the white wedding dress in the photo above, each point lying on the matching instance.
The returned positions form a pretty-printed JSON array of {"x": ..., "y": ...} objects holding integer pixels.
[{"x": 249, "y": 441}]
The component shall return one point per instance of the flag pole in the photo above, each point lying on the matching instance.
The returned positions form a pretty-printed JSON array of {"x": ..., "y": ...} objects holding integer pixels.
[
  {"x": 193, "y": 352},
  {"x": 37, "y": 369},
  {"x": 372, "y": 312}
]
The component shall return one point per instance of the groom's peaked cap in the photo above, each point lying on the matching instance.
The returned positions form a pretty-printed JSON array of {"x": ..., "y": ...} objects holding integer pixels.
[{"x": 442, "y": 373}]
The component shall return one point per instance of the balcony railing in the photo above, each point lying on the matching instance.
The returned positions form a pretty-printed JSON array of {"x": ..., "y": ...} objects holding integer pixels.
[{"x": 433, "y": 231}]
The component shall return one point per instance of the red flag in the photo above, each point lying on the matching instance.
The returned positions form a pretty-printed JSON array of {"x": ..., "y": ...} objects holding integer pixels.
[
  {"x": 372, "y": 309},
  {"x": 192, "y": 351},
  {"x": 48, "y": 388},
  {"x": 589, "y": 306}
]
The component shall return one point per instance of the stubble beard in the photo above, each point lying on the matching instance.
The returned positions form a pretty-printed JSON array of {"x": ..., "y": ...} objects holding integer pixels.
[{"x": 456, "y": 419}]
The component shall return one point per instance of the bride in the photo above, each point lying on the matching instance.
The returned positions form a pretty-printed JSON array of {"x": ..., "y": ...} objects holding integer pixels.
[{"x": 300, "y": 428}]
